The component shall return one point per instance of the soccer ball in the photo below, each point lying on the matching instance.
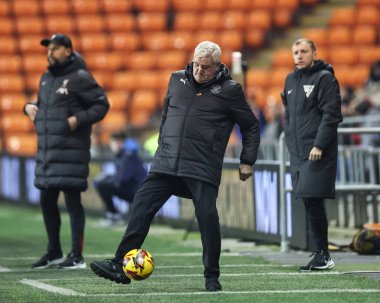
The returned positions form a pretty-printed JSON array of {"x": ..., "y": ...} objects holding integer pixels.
[{"x": 138, "y": 264}]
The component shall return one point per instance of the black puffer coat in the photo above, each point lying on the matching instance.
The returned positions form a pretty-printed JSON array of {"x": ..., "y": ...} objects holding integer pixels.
[
  {"x": 63, "y": 155},
  {"x": 196, "y": 124},
  {"x": 312, "y": 114}
]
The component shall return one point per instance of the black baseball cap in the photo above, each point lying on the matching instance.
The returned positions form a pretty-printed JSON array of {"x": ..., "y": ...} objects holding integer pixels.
[{"x": 58, "y": 39}]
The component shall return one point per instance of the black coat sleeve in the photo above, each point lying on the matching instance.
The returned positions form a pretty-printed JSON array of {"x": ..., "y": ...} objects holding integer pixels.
[
  {"x": 249, "y": 126},
  {"x": 92, "y": 97},
  {"x": 329, "y": 103}
]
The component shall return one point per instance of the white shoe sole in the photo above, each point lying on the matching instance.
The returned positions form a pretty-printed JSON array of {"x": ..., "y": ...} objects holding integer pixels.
[
  {"x": 330, "y": 264},
  {"x": 51, "y": 263},
  {"x": 76, "y": 266}
]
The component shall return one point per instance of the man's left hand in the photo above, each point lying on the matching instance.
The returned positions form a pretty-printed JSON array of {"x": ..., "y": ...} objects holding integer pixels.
[
  {"x": 245, "y": 171},
  {"x": 73, "y": 122},
  {"x": 315, "y": 154}
]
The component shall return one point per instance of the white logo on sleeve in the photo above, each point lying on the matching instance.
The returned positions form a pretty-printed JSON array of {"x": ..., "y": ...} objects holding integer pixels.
[
  {"x": 183, "y": 80},
  {"x": 63, "y": 89},
  {"x": 308, "y": 90},
  {"x": 290, "y": 91}
]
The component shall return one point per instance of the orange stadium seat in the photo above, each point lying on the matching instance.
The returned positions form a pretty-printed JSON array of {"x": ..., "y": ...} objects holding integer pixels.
[
  {"x": 231, "y": 40},
  {"x": 254, "y": 38},
  {"x": 31, "y": 44},
  {"x": 143, "y": 100},
  {"x": 26, "y": 7},
  {"x": 116, "y": 6},
  {"x": 368, "y": 55},
  {"x": 4, "y": 8},
  {"x": 274, "y": 94},
  {"x": 120, "y": 23},
  {"x": 186, "y": 21},
  {"x": 227, "y": 57},
  {"x": 151, "y": 21},
  {"x": 235, "y": 20},
  {"x": 59, "y": 24},
  {"x": 156, "y": 41},
  {"x": 341, "y": 73},
  {"x": 204, "y": 35},
  {"x": 10, "y": 83},
  {"x": 113, "y": 121},
  {"x": 16, "y": 123},
  {"x": 318, "y": 35},
  {"x": 124, "y": 81},
  {"x": 10, "y": 64},
  {"x": 89, "y": 24},
  {"x": 323, "y": 53},
  {"x": 340, "y": 35},
  {"x": 103, "y": 78},
  {"x": 282, "y": 17},
  {"x": 29, "y": 25},
  {"x": 144, "y": 60},
  {"x": 139, "y": 118},
  {"x": 278, "y": 76},
  {"x": 152, "y": 6},
  {"x": 215, "y": 5},
  {"x": 21, "y": 144},
  {"x": 148, "y": 80},
  {"x": 104, "y": 61},
  {"x": 182, "y": 40},
  {"x": 310, "y": 2},
  {"x": 368, "y": 2},
  {"x": 12, "y": 103},
  {"x": 368, "y": 15},
  {"x": 357, "y": 76},
  {"x": 262, "y": 4},
  {"x": 125, "y": 42},
  {"x": 343, "y": 56},
  {"x": 345, "y": 16},
  {"x": 259, "y": 19},
  {"x": 52, "y": 8},
  {"x": 32, "y": 81},
  {"x": 364, "y": 35},
  {"x": 85, "y": 7},
  {"x": 34, "y": 63},
  {"x": 186, "y": 5},
  {"x": 7, "y": 26},
  {"x": 172, "y": 60},
  {"x": 8, "y": 45},
  {"x": 118, "y": 99},
  {"x": 283, "y": 57},
  {"x": 210, "y": 20},
  {"x": 93, "y": 42},
  {"x": 287, "y": 4},
  {"x": 242, "y": 5},
  {"x": 258, "y": 78}
]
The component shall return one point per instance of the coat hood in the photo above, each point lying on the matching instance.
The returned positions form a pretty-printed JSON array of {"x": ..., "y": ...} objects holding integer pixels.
[
  {"x": 222, "y": 74},
  {"x": 317, "y": 66},
  {"x": 74, "y": 62}
]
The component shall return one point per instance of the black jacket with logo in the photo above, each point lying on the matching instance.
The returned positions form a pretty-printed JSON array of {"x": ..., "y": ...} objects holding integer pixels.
[
  {"x": 312, "y": 114},
  {"x": 63, "y": 155},
  {"x": 197, "y": 122}
]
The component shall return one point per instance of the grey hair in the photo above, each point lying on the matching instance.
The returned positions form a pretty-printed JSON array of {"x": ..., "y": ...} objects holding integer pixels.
[{"x": 208, "y": 49}]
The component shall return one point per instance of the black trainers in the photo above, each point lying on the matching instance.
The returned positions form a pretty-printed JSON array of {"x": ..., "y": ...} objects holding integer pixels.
[
  {"x": 111, "y": 270},
  {"x": 321, "y": 261},
  {"x": 47, "y": 261},
  {"x": 213, "y": 284},
  {"x": 73, "y": 262}
]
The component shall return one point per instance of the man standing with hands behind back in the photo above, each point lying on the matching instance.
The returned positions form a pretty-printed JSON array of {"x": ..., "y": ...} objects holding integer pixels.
[
  {"x": 69, "y": 102},
  {"x": 312, "y": 113},
  {"x": 201, "y": 106}
]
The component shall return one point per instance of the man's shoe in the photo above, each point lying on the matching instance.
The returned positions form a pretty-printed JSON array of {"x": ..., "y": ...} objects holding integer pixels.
[
  {"x": 47, "y": 261},
  {"x": 73, "y": 262},
  {"x": 321, "y": 261},
  {"x": 213, "y": 284},
  {"x": 111, "y": 270}
]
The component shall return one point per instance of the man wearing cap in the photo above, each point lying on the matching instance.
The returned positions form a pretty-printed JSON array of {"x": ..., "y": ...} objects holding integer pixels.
[{"x": 69, "y": 102}]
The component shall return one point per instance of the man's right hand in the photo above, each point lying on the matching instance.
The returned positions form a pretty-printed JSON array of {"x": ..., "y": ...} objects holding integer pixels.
[{"x": 31, "y": 111}]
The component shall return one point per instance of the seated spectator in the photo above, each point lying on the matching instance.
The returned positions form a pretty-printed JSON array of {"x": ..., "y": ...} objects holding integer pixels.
[{"x": 129, "y": 175}]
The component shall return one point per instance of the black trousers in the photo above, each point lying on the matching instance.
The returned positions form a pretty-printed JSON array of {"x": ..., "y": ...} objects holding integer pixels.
[
  {"x": 107, "y": 189},
  {"x": 316, "y": 215},
  {"x": 52, "y": 219},
  {"x": 153, "y": 194}
]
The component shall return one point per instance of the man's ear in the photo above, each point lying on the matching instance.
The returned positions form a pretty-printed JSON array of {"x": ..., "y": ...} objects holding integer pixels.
[{"x": 68, "y": 52}]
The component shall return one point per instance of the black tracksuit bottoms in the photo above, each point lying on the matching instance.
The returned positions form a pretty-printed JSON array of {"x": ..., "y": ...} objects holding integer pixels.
[
  {"x": 153, "y": 194},
  {"x": 52, "y": 219},
  {"x": 316, "y": 214}
]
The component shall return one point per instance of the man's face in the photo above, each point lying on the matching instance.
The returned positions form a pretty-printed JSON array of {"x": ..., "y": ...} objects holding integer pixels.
[
  {"x": 204, "y": 69},
  {"x": 57, "y": 54},
  {"x": 303, "y": 55}
]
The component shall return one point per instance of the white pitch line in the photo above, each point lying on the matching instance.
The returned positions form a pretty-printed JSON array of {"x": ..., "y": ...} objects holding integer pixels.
[
  {"x": 4, "y": 269},
  {"x": 253, "y": 292},
  {"x": 51, "y": 288}
]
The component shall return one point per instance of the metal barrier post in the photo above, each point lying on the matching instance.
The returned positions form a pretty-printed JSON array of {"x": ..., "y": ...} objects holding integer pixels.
[{"x": 283, "y": 219}]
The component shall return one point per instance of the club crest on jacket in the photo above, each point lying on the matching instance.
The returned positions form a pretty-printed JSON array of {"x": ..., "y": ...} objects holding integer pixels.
[
  {"x": 216, "y": 88},
  {"x": 63, "y": 89}
]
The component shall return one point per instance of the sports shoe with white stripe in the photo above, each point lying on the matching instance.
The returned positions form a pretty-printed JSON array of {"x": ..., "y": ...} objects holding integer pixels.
[
  {"x": 321, "y": 261},
  {"x": 73, "y": 262},
  {"x": 47, "y": 261}
]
